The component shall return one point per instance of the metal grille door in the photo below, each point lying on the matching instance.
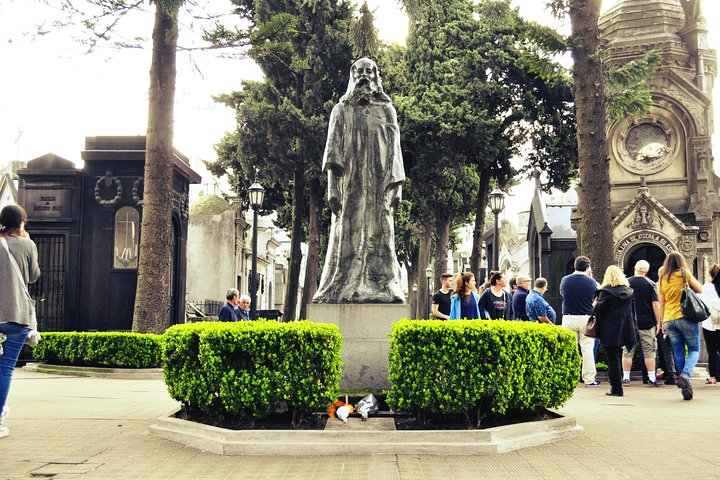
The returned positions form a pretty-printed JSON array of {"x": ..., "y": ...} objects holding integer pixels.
[{"x": 49, "y": 290}]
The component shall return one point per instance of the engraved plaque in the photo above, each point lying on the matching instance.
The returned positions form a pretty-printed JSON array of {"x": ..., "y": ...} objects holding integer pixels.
[{"x": 48, "y": 204}]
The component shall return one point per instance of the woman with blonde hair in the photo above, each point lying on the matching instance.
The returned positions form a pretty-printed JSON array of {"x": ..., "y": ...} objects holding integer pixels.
[
  {"x": 464, "y": 303},
  {"x": 682, "y": 332},
  {"x": 616, "y": 324}
]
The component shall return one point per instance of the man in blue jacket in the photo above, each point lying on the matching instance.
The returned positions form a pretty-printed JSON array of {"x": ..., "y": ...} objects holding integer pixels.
[
  {"x": 229, "y": 311},
  {"x": 578, "y": 291}
]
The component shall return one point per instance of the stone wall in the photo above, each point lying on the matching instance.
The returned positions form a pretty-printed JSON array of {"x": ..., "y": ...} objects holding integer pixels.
[{"x": 210, "y": 269}]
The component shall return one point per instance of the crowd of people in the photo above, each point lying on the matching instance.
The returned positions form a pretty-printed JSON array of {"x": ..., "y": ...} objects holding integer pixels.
[{"x": 629, "y": 312}]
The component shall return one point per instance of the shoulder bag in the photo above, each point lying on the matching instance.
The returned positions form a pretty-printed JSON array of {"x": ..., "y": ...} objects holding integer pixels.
[
  {"x": 693, "y": 309},
  {"x": 591, "y": 327},
  {"x": 34, "y": 336}
]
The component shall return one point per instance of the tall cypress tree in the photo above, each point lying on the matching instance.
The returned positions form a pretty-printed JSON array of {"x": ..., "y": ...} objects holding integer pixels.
[{"x": 282, "y": 121}]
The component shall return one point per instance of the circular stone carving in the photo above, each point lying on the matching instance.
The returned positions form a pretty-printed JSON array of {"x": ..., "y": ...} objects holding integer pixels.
[
  {"x": 138, "y": 190},
  {"x": 686, "y": 246},
  {"x": 108, "y": 180},
  {"x": 645, "y": 146}
]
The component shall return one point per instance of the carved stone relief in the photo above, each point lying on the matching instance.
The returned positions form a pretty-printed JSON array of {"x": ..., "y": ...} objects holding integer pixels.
[{"x": 646, "y": 145}]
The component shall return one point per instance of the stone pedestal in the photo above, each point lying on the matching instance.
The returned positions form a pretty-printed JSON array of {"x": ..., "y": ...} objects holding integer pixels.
[{"x": 365, "y": 329}]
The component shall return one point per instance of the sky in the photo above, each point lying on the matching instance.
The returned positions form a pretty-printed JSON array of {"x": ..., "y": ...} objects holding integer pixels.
[{"x": 54, "y": 94}]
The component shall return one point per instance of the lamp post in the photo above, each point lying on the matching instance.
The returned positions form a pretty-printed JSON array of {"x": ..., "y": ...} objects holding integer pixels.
[
  {"x": 497, "y": 203},
  {"x": 256, "y": 193},
  {"x": 415, "y": 300},
  {"x": 428, "y": 275}
]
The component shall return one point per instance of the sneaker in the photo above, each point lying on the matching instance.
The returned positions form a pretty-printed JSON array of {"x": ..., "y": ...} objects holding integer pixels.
[
  {"x": 4, "y": 431},
  {"x": 655, "y": 384},
  {"x": 626, "y": 382},
  {"x": 685, "y": 387},
  {"x": 670, "y": 380},
  {"x": 593, "y": 384},
  {"x": 5, "y": 412},
  {"x": 614, "y": 394}
]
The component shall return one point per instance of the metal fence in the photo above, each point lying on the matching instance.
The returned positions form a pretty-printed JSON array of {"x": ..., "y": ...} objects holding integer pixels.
[{"x": 203, "y": 308}]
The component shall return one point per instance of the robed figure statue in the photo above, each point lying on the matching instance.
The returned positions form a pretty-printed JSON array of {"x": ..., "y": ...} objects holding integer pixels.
[{"x": 365, "y": 173}]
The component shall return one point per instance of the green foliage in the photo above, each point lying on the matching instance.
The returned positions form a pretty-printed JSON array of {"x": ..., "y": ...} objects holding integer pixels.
[
  {"x": 625, "y": 88},
  {"x": 209, "y": 205},
  {"x": 100, "y": 349},
  {"x": 363, "y": 34},
  {"x": 243, "y": 369},
  {"x": 480, "y": 367}
]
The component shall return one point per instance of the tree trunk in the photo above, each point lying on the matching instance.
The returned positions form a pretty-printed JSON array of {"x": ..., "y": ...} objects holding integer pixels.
[
  {"x": 442, "y": 226},
  {"x": 291, "y": 294},
  {"x": 423, "y": 261},
  {"x": 594, "y": 196},
  {"x": 313, "y": 242},
  {"x": 152, "y": 298},
  {"x": 481, "y": 203}
]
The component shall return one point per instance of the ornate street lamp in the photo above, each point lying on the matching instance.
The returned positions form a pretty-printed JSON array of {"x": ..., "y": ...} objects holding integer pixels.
[
  {"x": 497, "y": 203},
  {"x": 256, "y": 193},
  {"x": 428, "y": 275}
]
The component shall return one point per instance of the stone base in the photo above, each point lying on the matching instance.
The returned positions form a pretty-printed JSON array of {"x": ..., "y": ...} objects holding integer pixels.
[
  {"x": 365, "y": 328},
  {"x": 376, "y": 436}
]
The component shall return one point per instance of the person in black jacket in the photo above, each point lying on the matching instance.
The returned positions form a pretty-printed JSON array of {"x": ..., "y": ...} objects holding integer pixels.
[{"x": 616, "y": 324}]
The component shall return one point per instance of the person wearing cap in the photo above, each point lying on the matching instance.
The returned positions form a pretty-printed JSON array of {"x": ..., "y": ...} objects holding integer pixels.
[
  {"x": 229, "y": 311},
  {"x": 520, "y": 296},
  {"x": 649, "y": 323},
  {"x": 441, "y": 298}
]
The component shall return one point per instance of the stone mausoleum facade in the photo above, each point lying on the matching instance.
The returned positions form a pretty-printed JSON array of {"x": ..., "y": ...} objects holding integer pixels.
[
  {"x": 664, "y": 190},
  {"x": 86, "y": 224}
]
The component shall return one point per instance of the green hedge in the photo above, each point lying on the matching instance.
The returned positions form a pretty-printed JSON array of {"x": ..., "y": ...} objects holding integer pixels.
[
  {"x": 480, "y": 367},
  {"x": 244, "y": 369},
  {"x": 100, "y": 349}
]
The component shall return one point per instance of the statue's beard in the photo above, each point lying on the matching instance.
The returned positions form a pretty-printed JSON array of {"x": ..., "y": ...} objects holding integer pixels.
[{"x": 363, "y": 92}]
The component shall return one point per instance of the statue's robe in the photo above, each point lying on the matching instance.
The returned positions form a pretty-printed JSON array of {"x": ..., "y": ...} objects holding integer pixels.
[{"x": 363, "y": 154}]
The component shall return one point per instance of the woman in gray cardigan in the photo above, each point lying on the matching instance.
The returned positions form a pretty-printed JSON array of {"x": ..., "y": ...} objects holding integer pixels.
[{"x": 15, "y": 306}]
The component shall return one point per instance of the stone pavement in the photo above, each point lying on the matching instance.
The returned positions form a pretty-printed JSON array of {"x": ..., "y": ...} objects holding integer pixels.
[{"x": 96, "y": 428}]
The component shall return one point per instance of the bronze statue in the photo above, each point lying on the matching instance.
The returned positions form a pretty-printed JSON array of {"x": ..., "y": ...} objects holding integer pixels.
[{"x": 365, "y": 173}]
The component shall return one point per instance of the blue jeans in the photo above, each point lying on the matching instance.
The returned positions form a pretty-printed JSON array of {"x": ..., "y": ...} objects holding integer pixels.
[
  {"x": 16, "y": 335},
  {"x": 683, "y": 332}
]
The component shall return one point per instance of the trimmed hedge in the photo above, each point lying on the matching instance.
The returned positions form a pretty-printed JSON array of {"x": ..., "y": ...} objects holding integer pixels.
[
  {"x": 243, "y": 369},
  {"x": 100, "y": 349},
  {"x": 480, "y": 367}
]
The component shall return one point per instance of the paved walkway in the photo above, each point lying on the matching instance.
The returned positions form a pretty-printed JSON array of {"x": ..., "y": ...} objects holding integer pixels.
[{"x": 96, "y": 428}]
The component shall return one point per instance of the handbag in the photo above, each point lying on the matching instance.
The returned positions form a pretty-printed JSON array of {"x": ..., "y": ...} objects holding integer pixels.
[
  {"x": 591, "y": 327},
  {"x": 33, "y": 337},
  {"x": 693, "y": 309}
]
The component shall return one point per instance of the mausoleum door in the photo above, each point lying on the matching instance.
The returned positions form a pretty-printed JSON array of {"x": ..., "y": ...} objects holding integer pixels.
[
  {"x": 49, "y": 290},
  {"x": 653, "y": 254}
]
